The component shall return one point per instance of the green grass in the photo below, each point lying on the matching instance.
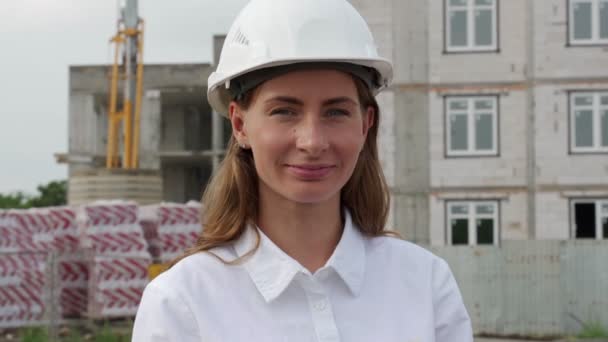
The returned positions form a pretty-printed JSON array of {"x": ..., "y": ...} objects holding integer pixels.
[
  {"x": 34, "y": 335},
  {"x": 103, "y": 334},
  {"x": 593, "y": 330}
]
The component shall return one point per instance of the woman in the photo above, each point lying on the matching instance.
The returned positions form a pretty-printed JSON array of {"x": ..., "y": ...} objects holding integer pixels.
[{"x": 294, "y": 246}]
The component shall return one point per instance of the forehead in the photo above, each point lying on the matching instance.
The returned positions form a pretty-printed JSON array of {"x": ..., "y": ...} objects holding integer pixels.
[{"x": 310, "y": 85}]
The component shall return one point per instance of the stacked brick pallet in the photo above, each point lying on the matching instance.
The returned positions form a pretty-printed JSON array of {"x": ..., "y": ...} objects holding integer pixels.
[
  {"x": 100, "y": 257},
  {"x": 171, "y": 228},
  {"x": 118, "y": 258},
  {"x": 71, "y": 269},
  {"x": 24, "y": 291}
]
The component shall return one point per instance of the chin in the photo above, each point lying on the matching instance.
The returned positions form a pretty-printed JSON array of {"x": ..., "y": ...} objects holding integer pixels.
[{"x": 311, "y": 196}]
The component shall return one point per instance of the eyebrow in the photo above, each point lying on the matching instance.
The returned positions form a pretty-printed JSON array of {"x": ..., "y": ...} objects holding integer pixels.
[{"x": 296, "y": 101}]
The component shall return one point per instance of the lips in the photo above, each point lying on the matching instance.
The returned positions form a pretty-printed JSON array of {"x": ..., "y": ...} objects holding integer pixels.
[{"x": 310, "y": 171}]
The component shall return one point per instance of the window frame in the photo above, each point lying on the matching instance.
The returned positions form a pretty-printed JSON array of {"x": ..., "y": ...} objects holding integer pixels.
[
  {"x": 596, "y": 108},
  {"x": 472, "y": 217},
  {"x": 595, "y": 39},
  {"x": 599, "y": 215},
  {"x": 471, "y": 130},
  {"x": 470, "y": 9}
]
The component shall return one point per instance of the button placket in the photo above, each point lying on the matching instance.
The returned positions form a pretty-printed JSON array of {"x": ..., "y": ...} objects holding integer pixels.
[{"x": 320, "y": 308}]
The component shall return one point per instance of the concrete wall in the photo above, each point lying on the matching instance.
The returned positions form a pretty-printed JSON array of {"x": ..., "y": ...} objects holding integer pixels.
[{"x": 175, "y": 118}]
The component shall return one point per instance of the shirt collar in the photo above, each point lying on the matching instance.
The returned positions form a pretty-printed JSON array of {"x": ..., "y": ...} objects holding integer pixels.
[{"x": 272, "y": 270}]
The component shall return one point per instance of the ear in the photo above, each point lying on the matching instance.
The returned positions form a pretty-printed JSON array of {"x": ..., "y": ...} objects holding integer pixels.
[
  {"x": 237, "y": 121},
  {"x": 368, "y": 119}
]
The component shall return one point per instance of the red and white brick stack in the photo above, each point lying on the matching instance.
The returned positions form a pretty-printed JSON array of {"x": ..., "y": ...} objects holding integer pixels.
[
  {"x": 26, "y": 231},
  {"x": 119, "y": 258},
  {"x": 116, "y": 285},
  {"x": 179, "y": 226},
  {"x": 23, "y": 289}
]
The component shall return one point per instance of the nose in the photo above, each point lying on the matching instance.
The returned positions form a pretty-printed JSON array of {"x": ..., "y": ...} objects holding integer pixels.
[{"x": 311, "y": 136}]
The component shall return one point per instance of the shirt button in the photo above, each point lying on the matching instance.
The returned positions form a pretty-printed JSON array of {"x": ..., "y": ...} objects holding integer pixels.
[{"x": 320, "y": 306}]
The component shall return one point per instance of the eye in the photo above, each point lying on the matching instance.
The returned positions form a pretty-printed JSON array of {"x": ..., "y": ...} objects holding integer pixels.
[
  {"x": 283, "y": 111},
  {"x": 337, "y": 112}
]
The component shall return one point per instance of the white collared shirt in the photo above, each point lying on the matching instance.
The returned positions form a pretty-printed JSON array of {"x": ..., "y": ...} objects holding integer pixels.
[{"x": 371, "y": 289}]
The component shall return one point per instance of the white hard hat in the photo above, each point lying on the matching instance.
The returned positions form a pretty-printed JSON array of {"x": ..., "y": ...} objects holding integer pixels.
[{"x": 271, "y": 33}]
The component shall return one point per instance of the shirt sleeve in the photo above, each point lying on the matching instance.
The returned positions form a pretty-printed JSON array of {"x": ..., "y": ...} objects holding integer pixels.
[
  {"x": 452, "y": 322},
  {"x": 164, "y": 317}
]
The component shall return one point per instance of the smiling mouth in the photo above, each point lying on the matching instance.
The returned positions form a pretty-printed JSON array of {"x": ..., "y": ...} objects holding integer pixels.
[{"x": 310, "y": 172}]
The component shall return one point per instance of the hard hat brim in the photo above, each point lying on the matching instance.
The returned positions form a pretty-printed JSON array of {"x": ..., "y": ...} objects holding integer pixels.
[{"x": 219, "y": 96}]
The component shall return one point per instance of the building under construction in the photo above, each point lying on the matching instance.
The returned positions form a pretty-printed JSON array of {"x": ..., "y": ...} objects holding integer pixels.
[{"x": 495, "y": 127}]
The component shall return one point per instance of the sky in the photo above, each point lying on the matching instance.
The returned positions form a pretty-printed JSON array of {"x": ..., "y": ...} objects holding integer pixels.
[{"x": 39, "y": 39}]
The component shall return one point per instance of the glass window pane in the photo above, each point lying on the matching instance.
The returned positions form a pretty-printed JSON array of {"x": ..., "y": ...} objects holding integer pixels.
[
  {"x": 485, "y": 231},
  {"x": 583, "y": 100},
  {"x": 583, "y": 124},
  {"x": 584, "y": 220},
  {"x": 458, "y": 104},
  {"x": 458, "y": 2},
  {"x": 484, "y": 209},
  {"x": 604, "y": 100},
  {"x": 458, "y": 132},
  {"x": 484, "y": 131},
  {"x": 458, "y": 28},
  {"x": 459, "y": 208},
  {"x": 604, "y": 209},
  {"x": 484, "y": 104},
  {"x": 484, "y": 2},
  {"x": 604, "y": 129},
  {"x": 582, "y": 20},
  {"x": 460, "y": 232},
  {"x": 604, "y": 19},
  {"x": 483, "y": 27},
  {"x": 605, "y": 227}
]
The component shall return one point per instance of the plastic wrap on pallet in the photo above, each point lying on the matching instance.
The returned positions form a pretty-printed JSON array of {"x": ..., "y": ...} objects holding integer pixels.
[
  {"x": 179, "y": 226},
  {"x": 27, "y": 231},
  {"x": 116, "y": 285},
  {"x": 24, "y": 290},
  {"x": 65, "y": 229},
  {"x": 73, "y": 283},
  {"x": 112, "y": 228}
]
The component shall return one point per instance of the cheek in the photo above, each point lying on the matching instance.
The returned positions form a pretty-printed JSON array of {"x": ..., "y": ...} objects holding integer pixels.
[{"x": 269, "y": 144}]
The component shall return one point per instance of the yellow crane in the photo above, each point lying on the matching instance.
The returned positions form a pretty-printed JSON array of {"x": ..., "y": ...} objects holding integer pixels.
[{"x": 124, "y": 109}]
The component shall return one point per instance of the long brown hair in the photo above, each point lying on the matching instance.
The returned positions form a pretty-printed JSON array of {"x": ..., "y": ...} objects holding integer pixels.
[{"x": 231, "y": 198}]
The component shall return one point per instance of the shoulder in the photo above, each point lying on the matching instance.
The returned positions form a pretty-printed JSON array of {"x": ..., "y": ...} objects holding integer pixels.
[
  {"x": 404, "y": 256},
  {"x": 393, "y": 247}
]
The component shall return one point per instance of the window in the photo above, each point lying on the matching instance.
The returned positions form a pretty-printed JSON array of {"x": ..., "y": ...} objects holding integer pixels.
[
  {"x": 590, "y": 219},
  {"x": 471, "y": 25},
  {"x": 588, "y": 22},
  {"x": 472, "y": 223},
  {"x": 589, "y": 122},
  {"x": 472, "y": 126}
]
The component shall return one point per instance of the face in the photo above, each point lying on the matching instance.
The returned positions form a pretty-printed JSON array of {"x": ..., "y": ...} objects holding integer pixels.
[{"x": 305, "y": 130}]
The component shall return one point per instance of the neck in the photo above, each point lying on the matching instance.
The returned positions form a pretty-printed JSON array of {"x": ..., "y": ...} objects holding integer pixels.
[{"x": 308, "y": 233}]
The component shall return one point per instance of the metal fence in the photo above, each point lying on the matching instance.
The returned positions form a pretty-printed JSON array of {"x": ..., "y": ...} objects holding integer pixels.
[{"x": 532, "y": 288}]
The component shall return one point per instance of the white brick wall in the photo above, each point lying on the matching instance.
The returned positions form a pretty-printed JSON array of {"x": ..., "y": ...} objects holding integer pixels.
[
  {"x": 512, "y": 214},
  {"x": 508, "y": 169},
  {"x": 506, "y": 65},
  {"x": 553, "y": 58},
  {"x": 554, "y": 163}
]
